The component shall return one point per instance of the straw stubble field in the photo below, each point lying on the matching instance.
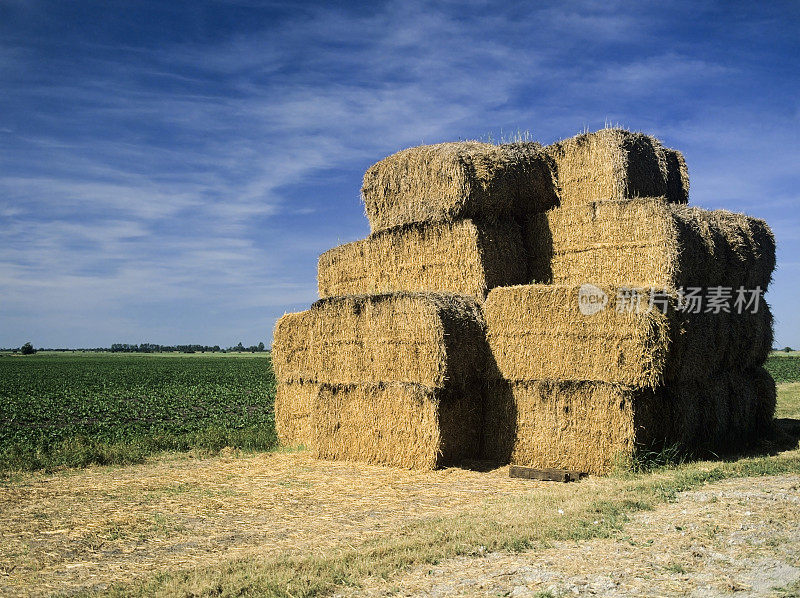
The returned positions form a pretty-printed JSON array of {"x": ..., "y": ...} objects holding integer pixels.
[{"x": 284, "y": 523}]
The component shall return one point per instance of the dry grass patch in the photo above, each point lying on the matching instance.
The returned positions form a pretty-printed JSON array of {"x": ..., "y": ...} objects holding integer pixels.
[
  {"x": 91, "y": 528},
  {"x": 728, "y": 536}
]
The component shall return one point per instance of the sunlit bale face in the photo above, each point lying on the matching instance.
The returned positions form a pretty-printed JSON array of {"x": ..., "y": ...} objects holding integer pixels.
[
  {"x": 451, "y": 181},
  {"x": 461, "y": 257}
]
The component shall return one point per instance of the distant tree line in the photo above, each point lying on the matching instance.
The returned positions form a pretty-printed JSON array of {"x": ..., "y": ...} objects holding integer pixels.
[
  {"x": 28, "y": 349},
  {"x": 154, "y": 348}
]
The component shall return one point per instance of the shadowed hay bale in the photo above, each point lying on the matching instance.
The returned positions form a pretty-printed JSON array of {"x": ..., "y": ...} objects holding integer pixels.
[
  {"x": 677, "y": 176},
  {"x": 751, "y": 337},
  {"x": 618, "y": 164},
  {"x": 593, "y": 426},
  {"x": 646, "y": 242},
  {"x": 458, "y": 257},
  {"x": 406, "y": 425},
  {"x": 450, "y": 181},
  {"x": 293, "y": 404},
  {"x": 539, "y": 332},
  {"x": 749, "y": 249},
  {"x": 732, "y": 408},
  {"x": 767, "y": 398},
  {"x": 723, "y": 341},
  {"x": 425, "y": 338}
]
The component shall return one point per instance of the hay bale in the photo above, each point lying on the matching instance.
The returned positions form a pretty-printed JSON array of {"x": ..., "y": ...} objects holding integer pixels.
[
  {"x": 750, "y": 338},
  {"x": 537, "y": 332},
  {"x": 594, "y": 426},
  {"x": 405, "y": 425},
  {"x": 766, "y": 401},
  {"x": 618, "y": 164},
  {"x": 293, "y": 405},
  {"x": 646, "y": 242},
  {"x": 677, "y": 176},
  {"x": 584, "y": 426},
  {"x": 425, "y": 338},
  {"x": 540, "y": 332},
  {"x": 451, "y": 181},
  {"x": 458, "y": 257},
  {"x": 721, "y": 413},
  {"x": 638, "y": 242},
  {"x": 749, "y": 249}
]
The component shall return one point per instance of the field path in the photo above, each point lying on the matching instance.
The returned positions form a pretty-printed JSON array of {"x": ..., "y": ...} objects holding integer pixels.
[{"x": 735, "y": 537}]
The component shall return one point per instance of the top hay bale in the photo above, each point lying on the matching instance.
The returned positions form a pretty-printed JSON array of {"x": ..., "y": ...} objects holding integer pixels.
[
  {"x": 431, "y": 339},
  {"x": 647, "y": 242},
  {"x": 450, "y": 181},
  {"x": 618, "y": 164}
]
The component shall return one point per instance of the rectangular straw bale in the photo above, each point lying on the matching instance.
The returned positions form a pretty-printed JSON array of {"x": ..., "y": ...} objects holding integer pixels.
[
  {"x": 593, "y": 426},
  {"x": 405, "y": 425},
  {"x": 618, "y": 164},
  {"x": 583, "y": 426},
  {"x": 706, "y": 343},
  {"x": 735, "y": 407},
  {"x": 722, "y": 412},
  {"x": 749, "y": 247},
  {"x": 647, "y": 242},
  {"x": 642, "y": 242},
  {"x": 766, "y": 400},
  {"x": 537, "y": 332},
  {"x": 450, "y": 181},
  {"x": 459, "y": 257},
  {"x": 750, "y": 338},
  {"x": 293, "y": 405},
  {"x": 424, "y": 338}
]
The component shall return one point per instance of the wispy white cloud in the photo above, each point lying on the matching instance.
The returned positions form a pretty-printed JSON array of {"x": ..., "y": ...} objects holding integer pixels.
[{"x": 190, "y": 175}]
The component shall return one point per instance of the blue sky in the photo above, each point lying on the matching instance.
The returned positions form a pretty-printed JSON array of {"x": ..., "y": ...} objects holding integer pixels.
[{"x": 170, "y": 171}]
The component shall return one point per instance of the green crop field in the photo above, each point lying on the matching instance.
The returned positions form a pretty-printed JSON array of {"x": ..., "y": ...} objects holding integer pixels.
[
  {"x": 784, "y": 368},
  {"x": 76, "y": 409}
]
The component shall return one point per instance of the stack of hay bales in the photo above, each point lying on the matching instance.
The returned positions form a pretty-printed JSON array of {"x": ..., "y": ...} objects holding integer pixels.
[
  {"x": 390, "y": 378},
  {"x": 444, "y": 217},
  {"x": 456, "y": 329},
  {"x": 582, "y": 389},
  {"x": 389, "y": 366}
]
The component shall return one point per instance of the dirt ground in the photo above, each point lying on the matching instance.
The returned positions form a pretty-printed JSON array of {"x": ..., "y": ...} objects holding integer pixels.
[
  {"x": 736, "y": 537},
  {"x": 84, "y": 529}
]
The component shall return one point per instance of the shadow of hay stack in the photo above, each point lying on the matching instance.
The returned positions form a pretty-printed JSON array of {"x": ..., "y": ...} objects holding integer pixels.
[{"x": 395, "y": 364}]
